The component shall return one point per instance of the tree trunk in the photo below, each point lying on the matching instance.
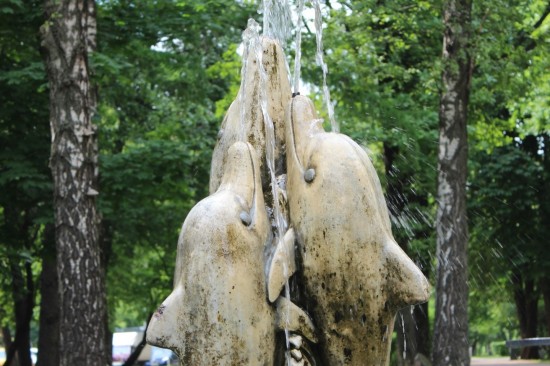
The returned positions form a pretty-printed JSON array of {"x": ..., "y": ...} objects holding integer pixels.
[
  {"x": 48, "y": 334},
  {"x": 545, "y": 217},
  {"x": 526, "y": 299},
  {"x": 23, "y": 298},
  {"x": 423, "y": 329},
  {"x": 106, "y": 251},
  {"x": 450, "y": 345},
  {"x": 406, "y": 337},
  {"x": 413, "y": 334},
  {"x": 68, "y": 36},
  {"x": 18, "y": 238},
  {"x": 6, "y": 337},
  {"x": 545, "y": 289},
  {"x": 139, "y": 347}
]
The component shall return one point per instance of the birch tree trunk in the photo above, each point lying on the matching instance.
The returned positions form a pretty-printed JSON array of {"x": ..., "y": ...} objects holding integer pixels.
[
  {"x": 450, "y": 345},
  {"x": 68, "y": 37}
]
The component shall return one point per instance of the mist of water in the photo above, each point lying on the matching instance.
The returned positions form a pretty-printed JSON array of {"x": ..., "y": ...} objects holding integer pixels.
[{"x": 277, "y": 17}]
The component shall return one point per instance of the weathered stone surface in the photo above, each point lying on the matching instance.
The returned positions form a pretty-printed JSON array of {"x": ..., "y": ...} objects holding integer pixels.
[
  {"x": 251, "y": 128},
  {"x": 218, "y": 313},
  {"x": 355, "y": 276}
]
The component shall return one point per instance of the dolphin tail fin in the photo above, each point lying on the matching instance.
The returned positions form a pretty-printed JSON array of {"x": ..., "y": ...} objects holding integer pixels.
[{"x": 282, "y": 266}]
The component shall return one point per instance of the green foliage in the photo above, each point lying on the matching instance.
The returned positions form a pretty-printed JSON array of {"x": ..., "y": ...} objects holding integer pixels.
[
  {"x": 510, "y": 88},
  {"x": 161, "y": 71},
  {"x": 167, "y": 71},
  {"x": 508, "y": 184},
  {"x": 383, "y": 68},
  {"x": 25, "y": 183},
  {"x": 492, "y": 314},
  {"x": 227, "y": 69},
  {"x": 508, "y": 191},
  {"x": 509, "y": 165}
]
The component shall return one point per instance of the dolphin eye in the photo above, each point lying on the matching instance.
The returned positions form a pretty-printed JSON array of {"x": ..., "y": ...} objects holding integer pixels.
[
  {"x": 309, "y": 175},
  {"x": 245, "y": 218}
]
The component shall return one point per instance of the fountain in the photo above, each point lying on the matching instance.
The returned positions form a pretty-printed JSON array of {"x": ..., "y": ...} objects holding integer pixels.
[{"x": 291, "y": 258}]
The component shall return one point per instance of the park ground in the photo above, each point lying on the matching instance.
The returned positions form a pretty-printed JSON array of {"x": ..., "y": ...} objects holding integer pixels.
[{"x": 505, "y": 361}]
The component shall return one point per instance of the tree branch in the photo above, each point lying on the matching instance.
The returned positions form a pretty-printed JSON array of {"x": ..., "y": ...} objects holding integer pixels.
[
  {"x": 528, "y": 42},
  {"x": 137, "y": 351},
  {"x": 544, "y": 15}
]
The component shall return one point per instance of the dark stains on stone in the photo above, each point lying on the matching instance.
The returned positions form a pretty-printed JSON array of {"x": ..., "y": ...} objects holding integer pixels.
[
  {"x": 338, "y": 316},
  {"x": 160, "y": 311},
  {"x": 347, "y": 354}
]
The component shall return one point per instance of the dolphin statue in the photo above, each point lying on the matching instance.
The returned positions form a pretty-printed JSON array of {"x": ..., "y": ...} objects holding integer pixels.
[
  {"x": 218, "y": 312},
  {"x": 355, "y": 275}
]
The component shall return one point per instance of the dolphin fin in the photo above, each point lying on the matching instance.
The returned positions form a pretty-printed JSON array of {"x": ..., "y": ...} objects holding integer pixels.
[
  {"x": 282, "y": 266},
  {"x": 407, "y": 284},
  {"x": 292, "y": 318}
]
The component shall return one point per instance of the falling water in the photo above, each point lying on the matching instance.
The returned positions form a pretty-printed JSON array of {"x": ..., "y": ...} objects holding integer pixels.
[
  {"x": 324, "y": 67},
  {"x": 298, "y": 57},
  {"x": 270, "y": 136},
  {"x": 277, "y": 19},
  {"x": 252, "y": 41},
  {"x": 404, "y": 337},
  {"x": 280, "y": 224}
]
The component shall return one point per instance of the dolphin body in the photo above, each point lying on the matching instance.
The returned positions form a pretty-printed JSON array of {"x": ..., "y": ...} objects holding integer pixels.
[
  {"x": 355, "y": 275},
  {"x": 218, "y": 313}
]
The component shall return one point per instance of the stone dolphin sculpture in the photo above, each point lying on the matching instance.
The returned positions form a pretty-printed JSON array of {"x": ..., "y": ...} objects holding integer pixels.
[
  {"x": 355, "y": 275},
  {"x": 218, "y": 312}
]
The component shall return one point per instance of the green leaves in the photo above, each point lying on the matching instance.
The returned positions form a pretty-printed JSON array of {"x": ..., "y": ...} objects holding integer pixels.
[
  {"x": 167, "y": 71},
  {"x": 161, "y": 72},
  {"x": 11, "y": 6},
  {"x": 34, "y": 71}
]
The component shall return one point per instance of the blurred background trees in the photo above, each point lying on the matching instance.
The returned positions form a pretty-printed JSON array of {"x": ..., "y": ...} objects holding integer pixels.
[{"x": 166, "y": 71}]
